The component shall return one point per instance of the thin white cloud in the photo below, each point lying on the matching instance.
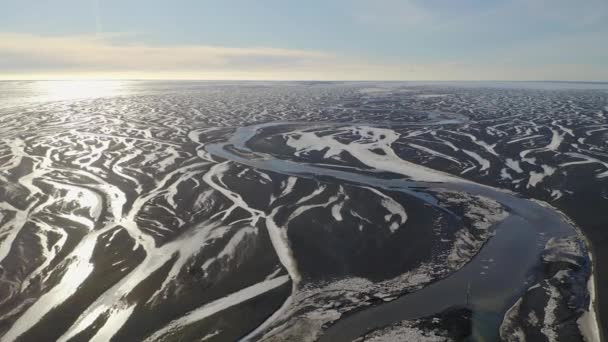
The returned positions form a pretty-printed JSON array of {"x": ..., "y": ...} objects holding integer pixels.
[
  {"x": 27, "y": 56},
  {"x": 100, "y": 53}
]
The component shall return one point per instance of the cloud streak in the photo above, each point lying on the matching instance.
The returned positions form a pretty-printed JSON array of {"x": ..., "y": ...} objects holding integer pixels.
[
  {"x": 96, "y": 52},
  {"x": 28, "y": 56}
]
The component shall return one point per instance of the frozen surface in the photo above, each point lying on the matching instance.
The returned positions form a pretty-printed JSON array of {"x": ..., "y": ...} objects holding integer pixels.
[{"x": 118, "y": 208}]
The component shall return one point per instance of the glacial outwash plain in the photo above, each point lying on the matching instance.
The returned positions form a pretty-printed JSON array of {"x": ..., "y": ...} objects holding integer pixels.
[{"x": 303, "y": 211}]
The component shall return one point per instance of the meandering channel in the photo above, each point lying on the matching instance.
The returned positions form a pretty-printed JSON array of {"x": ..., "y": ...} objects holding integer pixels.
[{"x": 496, "y": 276}]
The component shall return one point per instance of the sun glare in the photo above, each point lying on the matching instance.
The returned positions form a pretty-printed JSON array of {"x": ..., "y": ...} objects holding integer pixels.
[{"x": 80, "y": 89}]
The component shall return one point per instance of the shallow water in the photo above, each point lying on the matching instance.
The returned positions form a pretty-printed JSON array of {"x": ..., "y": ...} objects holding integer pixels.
[{"x": 496, "y": 277}]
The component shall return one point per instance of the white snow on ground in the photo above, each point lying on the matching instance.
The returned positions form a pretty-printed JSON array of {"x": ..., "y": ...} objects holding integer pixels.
[
  {"x": 468, "y": 169},
  {"x": 587, "y": 160},
  {"x": 591, "y": 131},
  {"x": 556, "y": 194},
  {"x": 11, "y": 228},
  {"x": 588, "y": 323},
  {"x": 370, "y": 138},
  {"x": 210, "y": 335},
  {"x": 509, "y": 330},
  {"x": 429, "y": 96},
  {"x": 278, "y": 236},
  {"x": 114, "y": 297},
  {"x": 504, "y": 174},
  {"x": 314, "y": 194},
  {"x": 435, "y": 153},
  {"x": 374, "y": 90},
  {"x": 489, "y": 148},
  {"x": 553, "y": 146},
  {"x": 557, "y": 250},
  {"x": 564, "y": 129},
  {"x": 445, "y": 142},
  {"x": 405, "y": 331},
  {"x": 264, "y": 178},
  {"x": 116, "y": 319},
  {"x": 287, "y": 189},
  {"x": 336, "y": 211},
  {"x": 523, "y": 155},
  {"x": 556, "y": 141},
  {"x": 49, "y": 252},
  {"x": 537, "y": 177},
  {"x": 280, "y": 242},
  {"x": 172, "y": 155},
  {"x": 304, "y": 208},
  {"x": 316, "y": 305},
  {"x": 79, "y": 268},
  {"x": 484, "y": 213},
  {"x": 270, "y": 321},
  {"x": 393, "y": 207},
  {"x": 219, "y": 305},
  {"x": 291, "y": 182},
  {"x": 231, "y": 247},
  {"x": 484, "y": 163},
  {"x": 525, "y": 138},
  {"x": 185, "y": 247},
  {"x": 513, "y": 165},
  {"x": 532, "y": 318},
  {"x": 563, "y": 250},
  {"x": 550, "y": 320}
]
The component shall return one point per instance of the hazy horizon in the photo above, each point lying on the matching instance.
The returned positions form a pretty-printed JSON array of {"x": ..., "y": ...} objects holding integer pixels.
[{"x": 74, "y": 79}]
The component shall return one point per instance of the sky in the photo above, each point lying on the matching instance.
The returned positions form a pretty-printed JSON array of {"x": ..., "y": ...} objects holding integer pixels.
[{"x": 305, "y": 40}]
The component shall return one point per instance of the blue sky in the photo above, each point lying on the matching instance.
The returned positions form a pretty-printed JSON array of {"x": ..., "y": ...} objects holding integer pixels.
[{"x": 314, "y": 39}]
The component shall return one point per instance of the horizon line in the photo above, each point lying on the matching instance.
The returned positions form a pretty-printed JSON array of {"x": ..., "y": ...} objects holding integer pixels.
[{"x": 294, "y": 80}]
